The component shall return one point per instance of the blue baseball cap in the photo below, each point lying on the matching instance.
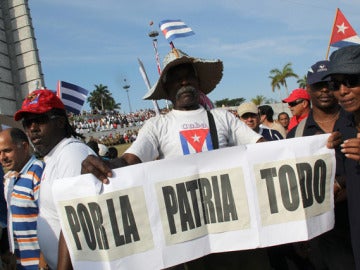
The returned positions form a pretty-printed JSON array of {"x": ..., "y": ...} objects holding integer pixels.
[{"x": 317, "y": 72}]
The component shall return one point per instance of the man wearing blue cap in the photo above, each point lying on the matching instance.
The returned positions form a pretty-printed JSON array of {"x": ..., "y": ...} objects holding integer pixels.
[{"x": 332, "y": 249}]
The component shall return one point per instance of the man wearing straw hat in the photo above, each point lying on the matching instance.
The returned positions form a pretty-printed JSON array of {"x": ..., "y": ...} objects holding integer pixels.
[{"x": 189, "y": 128}]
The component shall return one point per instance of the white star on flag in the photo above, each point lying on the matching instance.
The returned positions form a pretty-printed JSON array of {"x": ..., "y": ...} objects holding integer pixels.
[
  {"x": 196, "y": 138},
  {"x": 343, "y": 34},
  {"x": 341, "y": 28}
]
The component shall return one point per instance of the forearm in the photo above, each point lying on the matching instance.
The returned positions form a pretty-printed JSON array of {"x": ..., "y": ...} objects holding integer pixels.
[
  {"x": 125, "y": 160},
  {"x": 64, "y": 261}
]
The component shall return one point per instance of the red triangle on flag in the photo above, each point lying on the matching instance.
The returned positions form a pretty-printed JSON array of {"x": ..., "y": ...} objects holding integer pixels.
[
  {"x": 195, "y": 138},
  {"x": 341, "y": 29}
]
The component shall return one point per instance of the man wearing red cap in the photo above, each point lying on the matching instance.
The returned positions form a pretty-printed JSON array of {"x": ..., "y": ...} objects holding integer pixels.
[
  {"x": 46, "y": 124},
  {"x": 299, "y": 105}
]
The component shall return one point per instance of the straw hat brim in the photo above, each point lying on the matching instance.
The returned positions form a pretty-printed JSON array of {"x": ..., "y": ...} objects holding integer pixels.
[{"x": 209, "y": 73}]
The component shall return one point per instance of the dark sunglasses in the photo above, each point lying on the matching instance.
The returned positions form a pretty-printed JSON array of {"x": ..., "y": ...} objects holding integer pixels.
[
  {"x": 296, "y": 102},
  {"x": 349, "y": 81},
  {"x": 39, "y": 120}
]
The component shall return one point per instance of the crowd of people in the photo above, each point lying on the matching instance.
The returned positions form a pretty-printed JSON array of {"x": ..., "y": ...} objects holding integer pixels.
[
  {"x": 112, "y": 120},
  {"x": 329, "y": 104}
]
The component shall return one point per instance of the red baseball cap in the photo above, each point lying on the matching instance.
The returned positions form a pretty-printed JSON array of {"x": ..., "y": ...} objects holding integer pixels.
[
  {"x": 296, "y": 94},
  {"x": 39, "y": 101}
]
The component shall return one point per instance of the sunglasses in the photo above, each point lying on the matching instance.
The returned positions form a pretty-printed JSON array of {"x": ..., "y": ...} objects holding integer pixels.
[
  {"x": 39, "y": 120},
  {"x": 349, "y": 81},
  {"x": 296, "y": 102}
]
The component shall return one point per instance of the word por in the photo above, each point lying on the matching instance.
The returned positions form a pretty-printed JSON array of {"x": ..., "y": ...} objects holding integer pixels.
[{"x": 87, "y": 221}]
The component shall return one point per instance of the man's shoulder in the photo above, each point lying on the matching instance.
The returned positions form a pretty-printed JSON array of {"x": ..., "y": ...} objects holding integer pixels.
[
  {"x": 37, "y": 162},
  {"x": 73, "y": 147},
  {"x": 271, "y": 133},
  {"x": 277, "y": 126},
  {"x": 291, "y": 133},
  {"x": 220, "y": 112}
]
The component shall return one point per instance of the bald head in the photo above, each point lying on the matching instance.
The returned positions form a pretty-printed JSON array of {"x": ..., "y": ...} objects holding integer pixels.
[{"x": 14, "y": 149}]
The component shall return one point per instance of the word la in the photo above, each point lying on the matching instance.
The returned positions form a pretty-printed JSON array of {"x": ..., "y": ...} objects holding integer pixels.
[{"x": 87, "y": 222}]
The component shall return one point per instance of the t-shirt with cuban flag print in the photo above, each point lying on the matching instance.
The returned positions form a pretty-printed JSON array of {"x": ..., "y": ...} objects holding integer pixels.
[
  {"x": 195, "y": 138},
  {"x": 187, "y": 132}
]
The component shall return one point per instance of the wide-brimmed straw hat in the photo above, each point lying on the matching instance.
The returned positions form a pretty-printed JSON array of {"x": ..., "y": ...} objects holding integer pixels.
[{"x": 209, "y": 73}]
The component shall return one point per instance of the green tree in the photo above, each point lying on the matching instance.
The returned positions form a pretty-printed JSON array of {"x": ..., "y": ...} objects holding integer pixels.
[
  {"x": 258, "y": 100},
  {"x": 278, "y": 77},
  {"x": 302, "y": 82},
  {"x": 101, "y": 99},
  {"x": 229, "y": 102}
]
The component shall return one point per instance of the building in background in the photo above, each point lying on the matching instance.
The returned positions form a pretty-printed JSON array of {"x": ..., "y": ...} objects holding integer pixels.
[{"x": 20, "y": 67}]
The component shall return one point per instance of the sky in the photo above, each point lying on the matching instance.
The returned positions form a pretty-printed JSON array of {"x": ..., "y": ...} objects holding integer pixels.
[{"x": 91, "y": 42}]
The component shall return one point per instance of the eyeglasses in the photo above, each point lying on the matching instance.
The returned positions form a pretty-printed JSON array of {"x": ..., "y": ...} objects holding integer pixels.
[
  {"x": 349, "y": 81},
  {"x": 296, "y": 102},
  {"x": 40, "y": 119}
]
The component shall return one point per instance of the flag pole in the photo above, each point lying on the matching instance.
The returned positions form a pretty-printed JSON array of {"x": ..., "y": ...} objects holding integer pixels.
[
  {"x": 332, "y": 30},
  {"x": 153, "y": 34},
  {"x": 147, "y": 83}
]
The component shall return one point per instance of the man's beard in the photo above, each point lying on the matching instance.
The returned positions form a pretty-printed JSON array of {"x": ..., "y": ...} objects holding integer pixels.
[{"x": 187, "y": 88}]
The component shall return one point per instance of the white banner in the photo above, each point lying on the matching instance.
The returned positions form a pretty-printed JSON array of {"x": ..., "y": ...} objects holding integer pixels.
[{"x": 162, "y": 213}]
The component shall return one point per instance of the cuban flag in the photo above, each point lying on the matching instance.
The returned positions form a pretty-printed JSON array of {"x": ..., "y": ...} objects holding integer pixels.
[
  {"x": 173, "y": 29},
  {"x": 72, "y": 96},
  {"x": 343, "y": 34},
  {"x": 195, "y": 141}
]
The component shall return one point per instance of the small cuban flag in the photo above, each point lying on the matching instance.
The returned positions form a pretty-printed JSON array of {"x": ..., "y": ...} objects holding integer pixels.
[
  {"x": 343, "y": 34},
  {"x": 173, "y": 29},
  {"x": 72, "y": 96}
]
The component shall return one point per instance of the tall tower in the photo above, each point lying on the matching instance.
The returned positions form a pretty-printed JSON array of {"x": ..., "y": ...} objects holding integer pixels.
[{"x": 20, "y": 69}]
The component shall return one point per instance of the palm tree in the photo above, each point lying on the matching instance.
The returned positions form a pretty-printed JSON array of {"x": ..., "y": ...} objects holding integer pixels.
[
  {"x": 279, "y": 77},
  {"x": 229, "y": 102},
  {"x": 302, "y": 82},
  {"x": 258, "y": 100},
  {"x": 101, "y": 99}
]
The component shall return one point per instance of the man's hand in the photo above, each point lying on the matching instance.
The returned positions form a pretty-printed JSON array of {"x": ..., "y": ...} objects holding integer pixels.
[
  {"x": 334, "y": 140},
  {"x": 101, "y": 169},
  {"x": 98, "y": 167},
  {"x": 340, "y": 189},
  {"x": 351, "y": 148}
]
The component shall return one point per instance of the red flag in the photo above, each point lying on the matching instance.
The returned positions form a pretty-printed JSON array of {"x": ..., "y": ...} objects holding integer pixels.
[{"x": 342, "y": 31}]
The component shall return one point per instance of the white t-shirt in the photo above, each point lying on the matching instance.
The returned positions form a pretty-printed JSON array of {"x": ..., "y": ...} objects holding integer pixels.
[
  {"x": 64, "y": 160},
  {"x": 186, "y": 132}
]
